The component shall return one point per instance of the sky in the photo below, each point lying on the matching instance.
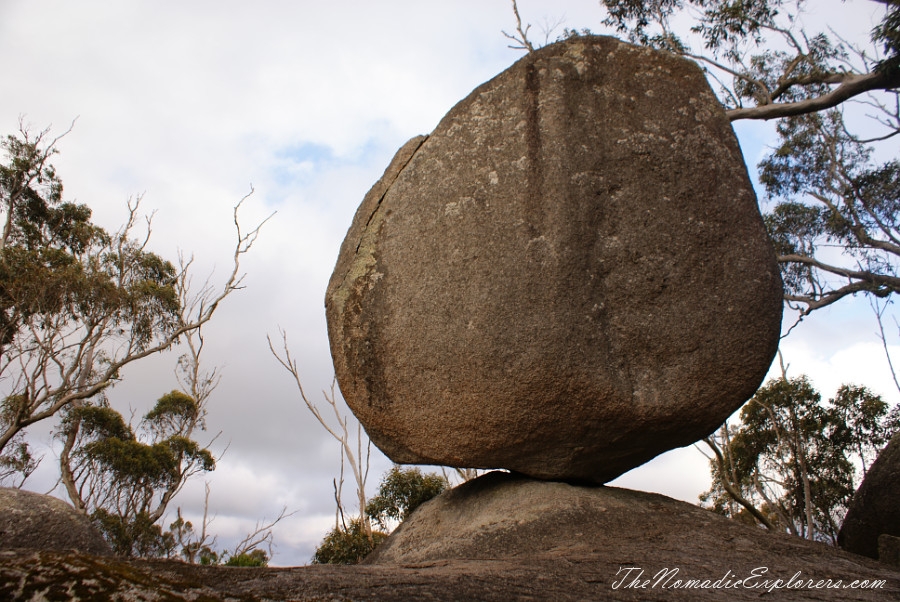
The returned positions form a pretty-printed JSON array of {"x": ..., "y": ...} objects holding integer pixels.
[{"x": 189, "y": 104}]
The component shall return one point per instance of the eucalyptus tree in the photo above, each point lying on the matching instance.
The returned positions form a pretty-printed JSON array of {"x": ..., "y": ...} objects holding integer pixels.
[
  {"x": 792, "y": 462},
  {"x": 123, "y": 477},
  {"x": 78, "y": 303},
  {"x": 401, "y": 491}
]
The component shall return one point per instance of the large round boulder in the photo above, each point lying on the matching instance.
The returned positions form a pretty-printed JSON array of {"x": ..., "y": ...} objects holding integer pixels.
[
  {"x": 569, "y": 276},
  {"x": 875, "y": 508},
  {"x": 31, "y": 521}
]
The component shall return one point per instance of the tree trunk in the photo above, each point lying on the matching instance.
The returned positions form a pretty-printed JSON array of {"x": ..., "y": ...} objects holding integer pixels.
[
  {"x": 65, "y": 467},
  {"x": 733, "y": 491}
]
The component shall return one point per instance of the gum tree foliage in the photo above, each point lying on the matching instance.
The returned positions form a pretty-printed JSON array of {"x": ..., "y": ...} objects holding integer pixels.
[
  {"x": 831, "y": 206},
  {"x": 78, "y": 303},
  {"x": 401, "y": 491},
  {"x": 193, "y": 547},
  {"x": 348, "y": 544},
  {"x": 855, "y": 210},
  {"x": 124, "y": 478},
  {"x": 792, "y": 463},
  {"x": 252, "y": 559}
]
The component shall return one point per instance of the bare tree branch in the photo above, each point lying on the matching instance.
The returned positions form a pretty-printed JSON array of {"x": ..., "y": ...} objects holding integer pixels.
[
  {"x": 879, "y": 310},
  {"x": 849, "y": 86},
  {"x": 731, "y": 489},
  {"x": 522, "y": 38},
  {"x": 90, "y": 352},
  {"x": 261, "y": 535},
  {"x": 341, "y": 433}
]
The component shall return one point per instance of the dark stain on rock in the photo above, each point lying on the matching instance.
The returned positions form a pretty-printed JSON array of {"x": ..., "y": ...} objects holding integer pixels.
[{"x": 534, "y": 148}]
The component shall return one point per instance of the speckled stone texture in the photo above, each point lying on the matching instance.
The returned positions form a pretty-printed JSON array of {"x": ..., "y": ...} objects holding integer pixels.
[
  {"x": 875, "y": 508},
  {"x": 502, "y": 537},
  {"x": 568, "y": 277},
  {"x": 31, "y": 521}
]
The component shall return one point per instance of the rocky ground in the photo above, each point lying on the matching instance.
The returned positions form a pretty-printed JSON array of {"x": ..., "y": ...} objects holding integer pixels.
[
  {"x": 589, "y": 544},
  {"x": 62, "y": 576}
]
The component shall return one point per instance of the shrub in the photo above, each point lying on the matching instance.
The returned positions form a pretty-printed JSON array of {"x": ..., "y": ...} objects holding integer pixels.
[
  {"x": 402, "y": 491},
  {"x": 253, "y": 558},
  {"x": 347, "y": 545}
]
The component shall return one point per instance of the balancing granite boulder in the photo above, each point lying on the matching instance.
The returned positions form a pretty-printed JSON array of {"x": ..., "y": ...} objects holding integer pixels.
[{"x": 568, "y": 277}]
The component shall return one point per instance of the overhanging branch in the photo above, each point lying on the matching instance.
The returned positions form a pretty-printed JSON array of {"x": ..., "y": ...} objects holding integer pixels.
[{"x": 851, "y": 85}]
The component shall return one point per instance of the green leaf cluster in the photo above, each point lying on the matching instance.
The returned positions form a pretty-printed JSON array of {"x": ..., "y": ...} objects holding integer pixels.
[
  {"x": 192, "y": 548},
  {"x": 125, "y": 477},
  {"x": 348, "y": 544},
  {"x": 252, "y": 559},
  {"x": 18, "y": 460},
  {"x": 828, "y": 193},
  {"x": 720, "y": 23},
  {"x": 757, "y": 50},
  {"x": 59, "y": 268},
  {"x": 797, "y": 458},
  {"x": 137, "y": 536},
  {"x": 887, "y": 33},
  {"x": 118, "y": 458},
  {"x": 401, "y": 491},
  {"x": 73, "y": 297}
]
